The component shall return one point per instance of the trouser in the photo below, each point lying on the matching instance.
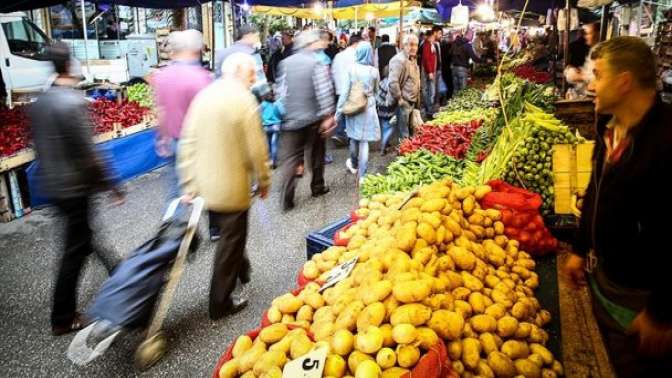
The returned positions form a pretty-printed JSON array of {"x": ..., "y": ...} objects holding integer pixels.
[
  {"x": 447, "y": 74},
  {"x": 386, "y": 132},
  {"x": 622, "y": 348},
  {"x": 404, "y": 120},
  {"x": 429, "y": 92},
  {"x": 460, "y": 77},
  {"x": 78, "y": 246},
  {"x": 230, "y": 261},
  {"x": 273, "y": 135},
  {"x": 340, "y": 127},
  {"x": 359, "y": 155},
  {"x": 172, "y": 178},
  {"x": 294, "y": 145}
]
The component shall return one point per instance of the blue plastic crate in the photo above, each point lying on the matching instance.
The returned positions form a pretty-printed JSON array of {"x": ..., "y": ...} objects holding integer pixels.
[{"x": 323, "y": 238}]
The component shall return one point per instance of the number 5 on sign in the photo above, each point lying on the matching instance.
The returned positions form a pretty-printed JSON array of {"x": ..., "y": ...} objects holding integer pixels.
[{"x": 309, "y": 366}]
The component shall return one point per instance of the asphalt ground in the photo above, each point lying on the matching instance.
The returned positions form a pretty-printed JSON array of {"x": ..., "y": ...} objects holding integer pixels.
[{"x": 30, "y": 247}]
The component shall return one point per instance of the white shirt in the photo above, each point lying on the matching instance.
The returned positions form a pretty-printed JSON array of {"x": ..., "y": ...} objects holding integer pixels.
[{"x": 340, "y": 67}]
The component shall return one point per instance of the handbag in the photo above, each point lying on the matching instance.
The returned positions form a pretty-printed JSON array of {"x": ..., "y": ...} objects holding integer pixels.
[
  {"x": 416, "y": 119},
  {"x": 357, "y": 100}
]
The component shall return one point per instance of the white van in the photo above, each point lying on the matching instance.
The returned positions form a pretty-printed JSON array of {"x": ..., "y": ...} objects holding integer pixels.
[{"x": 23, "y": 60}]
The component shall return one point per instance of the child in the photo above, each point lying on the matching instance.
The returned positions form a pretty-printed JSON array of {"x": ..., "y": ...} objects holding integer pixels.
[
  {"x": 385, "y": 112},
  {"x": 271, "y": 117}
]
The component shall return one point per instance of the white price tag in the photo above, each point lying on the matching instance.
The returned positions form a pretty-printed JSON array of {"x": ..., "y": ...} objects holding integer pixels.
[
  {"x": 339, "y": 273},
  {"x": 310, "y": 365}
]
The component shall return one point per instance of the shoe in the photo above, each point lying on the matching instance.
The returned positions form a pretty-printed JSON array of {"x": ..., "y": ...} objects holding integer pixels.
[
  {"x": 287, "y": 207},
  {"x": 235, "y": 305},
  {"x": 350, "y": 166},
  {"x": 321, "y": 192},
  {"x": 339, "y": 140},
  {"x": 245, "y": 273},
  {"x": 78, "y": 322}
]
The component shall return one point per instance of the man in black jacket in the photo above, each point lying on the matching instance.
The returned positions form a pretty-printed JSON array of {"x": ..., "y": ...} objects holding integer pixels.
[
  {"x": 384, "y": 54},
  {"x": 70, "y": 172},
  {"x": 624, "y": 225},
  {"x": 460, "y": 53}
]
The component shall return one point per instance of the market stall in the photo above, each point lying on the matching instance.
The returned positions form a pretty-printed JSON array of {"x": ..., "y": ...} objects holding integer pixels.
[{"x": 123, "y": 122}]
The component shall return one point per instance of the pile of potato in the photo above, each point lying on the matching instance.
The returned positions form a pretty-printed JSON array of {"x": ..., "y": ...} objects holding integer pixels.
[{"x": 438, "y": 268}]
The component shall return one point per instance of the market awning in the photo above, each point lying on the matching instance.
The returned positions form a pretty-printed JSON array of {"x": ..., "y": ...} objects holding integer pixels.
[
  {"x": 7, "y": 6},
  {"x": 361, "y": 12}
]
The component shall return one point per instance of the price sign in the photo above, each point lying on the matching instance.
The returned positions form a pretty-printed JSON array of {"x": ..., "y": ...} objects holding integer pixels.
[
  {"x": 339, "y": 273},
  {"x": 310, "y": 365}
]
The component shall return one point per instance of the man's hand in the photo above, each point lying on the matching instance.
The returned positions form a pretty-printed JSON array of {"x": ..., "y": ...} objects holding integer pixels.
[
  {"x": 573, "y": 271},
  {"x": 431, "y": 76},
  {"x": 187, "y": 198},
  {"x": 263, "y": 192},
  {"x": 655, "y": 339},
  {"x": 327, "y": 126}
]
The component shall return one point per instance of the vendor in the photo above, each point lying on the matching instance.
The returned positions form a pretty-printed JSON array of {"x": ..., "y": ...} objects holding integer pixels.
[
  {"x": 577, "y": 72},
  {"x": 622, "y": 241}
]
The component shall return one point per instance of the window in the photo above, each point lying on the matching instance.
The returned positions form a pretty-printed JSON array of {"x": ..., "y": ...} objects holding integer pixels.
[{"x": 25, "y": 39}]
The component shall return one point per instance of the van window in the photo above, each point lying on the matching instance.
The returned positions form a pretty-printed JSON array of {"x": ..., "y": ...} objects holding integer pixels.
[{"x": 25, "y": 39}]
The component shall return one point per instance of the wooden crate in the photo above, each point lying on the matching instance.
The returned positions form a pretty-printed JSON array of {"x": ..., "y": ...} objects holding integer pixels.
[
  {"x": 572, "y": 168},
  {"x": 6, "y": 212},
  {"x": 18, "y": 159}
]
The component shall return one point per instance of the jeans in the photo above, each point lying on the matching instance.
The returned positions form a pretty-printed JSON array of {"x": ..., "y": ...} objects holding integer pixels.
[
  {"x": 404, "y": 120},
  {"x": 230, "y": 262},
  {"x": 460, "y": 76},
  {"x": 171, "y": 173},
  {"x": 273, "y": 135},
  {"x": 359, "y": 155},
  {"x": 387, "y": 132},
  {"x": 294, "y": 145},
  {"x": 340, "y": 127},
  {"x": 429, "y": 92}
]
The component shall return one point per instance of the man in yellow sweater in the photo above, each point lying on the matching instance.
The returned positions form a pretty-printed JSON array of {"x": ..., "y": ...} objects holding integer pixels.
[{"x": 222, "y": 150}]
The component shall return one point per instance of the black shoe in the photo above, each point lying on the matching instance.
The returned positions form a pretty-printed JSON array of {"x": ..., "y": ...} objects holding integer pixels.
[
  {"x": 321, "y": 192},
  {"x": 245, "y": 273},
  {"x": 234, "y": 306},
  {"x": 286, "y": 207}
]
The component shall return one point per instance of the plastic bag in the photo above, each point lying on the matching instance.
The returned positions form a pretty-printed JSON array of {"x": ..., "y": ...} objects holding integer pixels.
[{"x": 340, "y": 240}]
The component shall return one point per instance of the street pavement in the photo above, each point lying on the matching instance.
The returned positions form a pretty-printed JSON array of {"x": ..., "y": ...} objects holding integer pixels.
[{"x": 30, "y": 246}]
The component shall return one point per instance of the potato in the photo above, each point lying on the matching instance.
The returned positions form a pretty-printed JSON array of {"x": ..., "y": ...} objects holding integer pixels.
[
  {"x": 427, "y": 338},
  {"x": 463, "y": 259},
  {"x": 481, "y": 191},
  {"x": 300, "y": 346},
  {"x": 229, "y": 369},
  {"x": 370, "y": 341},
  {"x": 342, "y": 342},
  {"x": 501, "y": 365},
  {"x": 314, "y": 300},
  {"x": 557, "y": 368},
  {"x": 483, "y": 323},
  {"x": 468, "y": 205},
  {"x": 471, "y": 352},
  {"x": 386, "y": 329},
  {"x": 284, "y": 344},
  {"x": 249, "y": 374},
  {"x": 432, "y": 205},
  {"x": 386, "y": 358},
  {"x": 515, "y": 349},
  {"x": 406, "y": 237},
  {"x": 287, "y": 319},
  {"x": 305, "y": 313},
  {"x": 415, "y": 314},
  {"x": 243, "y": 344},
  {"x": 541, "y": 350},
  {"x": 433, "y": 219},
  {"x": 348, "y": 318},
  {"x": 310, "y": 270},
  {"x": 507, "y": 326},
  {"x": 495, "y": 310},
  {"x": 470, "y": 282},
  {"x": 447, "y": 324},
  {"x": 368, "y": 369},
  {"x": 404, "y": 333},
  {"x": 412, "y": 291},
  {"x": 548, "y": 373},
  {"x": 458, "y": 367},
  {"x": 274, "y": 315},
  {"x": 488, "y": 343},
  {"x": 288, "y": 303},
  {"x": 527, "y": 368},
  {"x": 523, "y": 331},
  {"x": 250, "y": 357},
  {"x": 455, "y": 350},
  {"x": 334, "y": 366},
  {"x": 536, "y": 359},
  {"x": 372, "y": 315},
  {"x": 537, "y": 335},
  {"x": 477, "y": 302},
  {"x": 426, "y": 232},
  {"x": 483, "y": 370},
  {"x": 394, "y": 372},
  {"x": 324, "y": 314},
  {"x": 269, "y": 360},
  {"x": 461, "y": 293},
  {"x": 376, "y": 292},
  {"x": 453, "y": 226},
  {"x": 407, "y": 355},
  {"x": 463, "y": 308},
  {"x": 357, "y": 358}
]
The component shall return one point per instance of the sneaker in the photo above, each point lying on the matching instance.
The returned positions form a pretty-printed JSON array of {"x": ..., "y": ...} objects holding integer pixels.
[{"x": 351, "y": 168}]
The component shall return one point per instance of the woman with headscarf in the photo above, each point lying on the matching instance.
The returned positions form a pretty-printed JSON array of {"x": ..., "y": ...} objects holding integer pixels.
[{"x": 362, "y": 127}]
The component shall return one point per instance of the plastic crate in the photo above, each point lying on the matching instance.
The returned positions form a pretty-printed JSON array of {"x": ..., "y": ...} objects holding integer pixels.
[{"x": 323, "y": 238}]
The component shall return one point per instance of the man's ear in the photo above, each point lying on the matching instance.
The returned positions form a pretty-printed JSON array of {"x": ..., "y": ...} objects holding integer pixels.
[{"x": 625, "y": 82}]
